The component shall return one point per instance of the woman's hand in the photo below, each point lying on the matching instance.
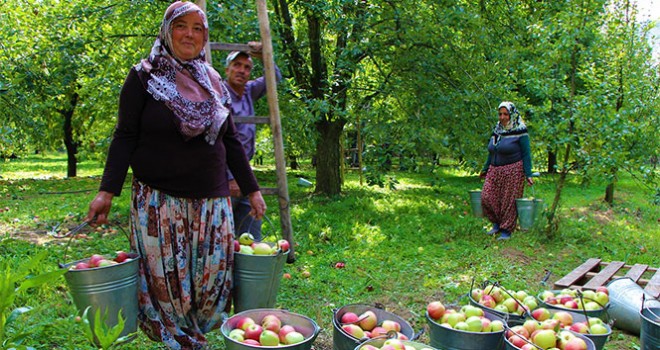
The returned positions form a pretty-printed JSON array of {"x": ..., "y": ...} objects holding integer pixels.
[
  {"x": 257, "y": 204},
  {"x": 234, "y": 190},
  {"x": 99, "y": 208},
  {"x": 530, "y": 181}
]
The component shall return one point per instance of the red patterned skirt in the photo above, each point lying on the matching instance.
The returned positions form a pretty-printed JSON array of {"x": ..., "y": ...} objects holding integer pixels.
[
  {"x": 503, "y": 185},
  {"x": 186, "y": 267}
]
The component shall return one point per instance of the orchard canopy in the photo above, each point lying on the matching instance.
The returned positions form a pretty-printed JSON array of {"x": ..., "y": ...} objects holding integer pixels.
[{"x": 417, "y": 81}]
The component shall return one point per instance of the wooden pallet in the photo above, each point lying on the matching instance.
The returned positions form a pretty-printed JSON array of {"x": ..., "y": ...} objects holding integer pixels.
[{"x": 594, "y": 273}]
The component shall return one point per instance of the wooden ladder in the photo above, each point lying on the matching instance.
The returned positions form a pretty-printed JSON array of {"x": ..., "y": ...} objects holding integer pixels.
[{"x": 282, "y": 189}]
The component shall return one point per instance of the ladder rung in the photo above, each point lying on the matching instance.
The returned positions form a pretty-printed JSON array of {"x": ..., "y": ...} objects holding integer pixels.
[
  {"x": 251, "y": 120},
  {"x": 229, "y": 47}
]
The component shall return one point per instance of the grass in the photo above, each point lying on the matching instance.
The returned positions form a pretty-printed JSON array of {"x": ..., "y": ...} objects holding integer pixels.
[{"x": 401, "y": 248}]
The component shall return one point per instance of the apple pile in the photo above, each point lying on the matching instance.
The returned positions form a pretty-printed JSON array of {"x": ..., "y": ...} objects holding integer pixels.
[
  {"x": 469, "y": 318},
  {"x": 246, "y": 245},
  {"x": 97, "y": 260},
  {"x": 367, "y": 325},
  {"x": 550, "y": 339},
  {"x": 270, "y": 332},
  {"x": 570, "y": 299},
  {"x": 391, "y": 344},
  {"x": 593, "y": 325},
  {"x": 504, "y": 301}
]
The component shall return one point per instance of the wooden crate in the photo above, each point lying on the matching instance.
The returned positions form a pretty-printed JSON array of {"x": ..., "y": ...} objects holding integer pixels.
[{"x": 594, "y": 273}]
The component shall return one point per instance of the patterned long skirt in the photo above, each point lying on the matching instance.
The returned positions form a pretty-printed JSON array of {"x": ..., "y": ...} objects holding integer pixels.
[
  {"x": 186, "y": 267},
  {"x": 503, "y": 185}
]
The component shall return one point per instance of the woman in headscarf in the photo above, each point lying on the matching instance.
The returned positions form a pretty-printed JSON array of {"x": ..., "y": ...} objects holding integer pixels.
[
  {"x": 509, "y": 164},
  {"x": 176, "y": 133}
]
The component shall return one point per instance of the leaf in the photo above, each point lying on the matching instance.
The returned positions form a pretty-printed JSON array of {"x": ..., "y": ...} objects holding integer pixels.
[
  {"x": 41, "y": 279},
  {"x": 15, "y": 313}
]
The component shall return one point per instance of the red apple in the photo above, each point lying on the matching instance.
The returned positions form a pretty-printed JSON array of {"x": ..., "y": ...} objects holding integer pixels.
[
  {"x": 349, "y": 317},
  {"x": 541, "y": 314},
  {"x": 580, "y": 327},
  {"x": 284, "y": 330},
  {"x": 81, "y": 266},
  {"x": 368, "y": 320},
  {"x": 284, "y": 245},
  {"x": 94, "y": 260},
  {"x": 564, "y": 318},
  {"x": 121, "y": 256},
  {"x": 378, "y": 331},
  {"x": 435, "y": 310},
  {"x": 602, "y": 289},
  {"x": 253, "y": 332},
  {"x": 271, "y": 322},
  {"x": 391, "y": 325},
  {"x": 237, "y": 246},
  {"x": 251, "y": 342},
  {"x": 487, "y": 301},
  {"x": 576, "y": 344},
  {"x": 353, "y": 330},
  {"x": 244, "y": 323},
  {"x": 518, "y": 340}
]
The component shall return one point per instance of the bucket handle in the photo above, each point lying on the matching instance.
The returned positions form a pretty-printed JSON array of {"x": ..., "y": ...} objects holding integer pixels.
[
  {"x": 507, "y": 328},
  {"x": 649, "y": 309},
  {"x": 417, "y": 335},
  {"x": 74, "y": 232}
]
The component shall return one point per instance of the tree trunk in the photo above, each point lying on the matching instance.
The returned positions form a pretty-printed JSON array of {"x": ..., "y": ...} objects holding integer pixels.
[
  {"x": 552, "y": 162},
  {"x": 69, "y": 142},
  {"x": 328, "y": 157},
  {"x": 609, "y": 194}
]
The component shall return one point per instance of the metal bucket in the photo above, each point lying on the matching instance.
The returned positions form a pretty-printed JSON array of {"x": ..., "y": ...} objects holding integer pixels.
[
  {"x": 590, "y": 343},
  {"x": 525, "y": 208},
  {"x": 625, "y": 303},
  {"x": 579, "y": 316},
  {"x": 257, "y": 280},
  {"x": 110, "y": 288},
  {"x": 453, "y": 339},
  {"x": 475, "y": 203},
  {"x": 343, "y": 341},
  {"x": 305, "y": 325},
  {"x": 408, "y": 344},
  {"x": 602, "y": 313},
  {"x": 650, "y": 331}
]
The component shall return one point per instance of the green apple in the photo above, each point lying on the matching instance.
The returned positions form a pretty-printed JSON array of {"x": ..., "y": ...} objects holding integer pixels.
[
  {"x": 602, "y": 298},
  {"x": 474, "y": 324},
  {"x": 269, "y": 338},
  {"x": 246, "y": 238},
  {"x": 462, "y": 326},
  {"x": 246, "y": 249},
  {"x": 545, "y": 338},
  {"x": 598, "y": 328},
  {"x": 470, "y": 310},
  {"x": 261, "y": 249},
  {"x": 496, "y": 326},
  {"x": 368, "y": 320},
  {"x": 294, "y": 338},
  {"x": 511, "y": 304}
]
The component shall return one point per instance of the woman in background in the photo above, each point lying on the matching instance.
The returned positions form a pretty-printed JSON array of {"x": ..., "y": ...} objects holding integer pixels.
[{"x": 508, "y": 165}]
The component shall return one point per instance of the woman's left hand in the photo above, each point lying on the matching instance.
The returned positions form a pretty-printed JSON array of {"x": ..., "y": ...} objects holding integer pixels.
[
  {"x": 257, "y": 204},
  {"x": 530, "y": 181}
]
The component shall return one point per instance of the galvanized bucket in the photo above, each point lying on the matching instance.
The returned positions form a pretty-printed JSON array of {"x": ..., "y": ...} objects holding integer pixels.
[
  {"x": 453, "y": 339},
  {"x": 525, "y": 208},
  {"x": 343, "y": 341},
  {"x": 475, "y": 203},
  {"x": 603, "y": 313},
  {"x": 625, "y": 302},
  {"x": 590, "y": 344},
  {"x": 112, "y": 288},
  {"x": 650, "y": 331},
  {"x": 579, "y": 316},
  {"x": 303, "y": 324},
  {"x": 257, "y": 280},
  {"x": 379, "y": 342}
]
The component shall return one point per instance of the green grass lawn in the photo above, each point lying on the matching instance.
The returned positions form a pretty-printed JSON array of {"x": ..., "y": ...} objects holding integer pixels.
[{"x": 401, "y": 248}]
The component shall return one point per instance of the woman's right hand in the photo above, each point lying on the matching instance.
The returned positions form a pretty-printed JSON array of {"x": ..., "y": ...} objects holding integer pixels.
[{"x": 99, "y": 208}]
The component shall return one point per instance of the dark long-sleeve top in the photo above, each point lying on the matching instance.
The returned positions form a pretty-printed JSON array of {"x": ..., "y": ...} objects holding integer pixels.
[
  {"x": 147, "y": 139},
  {"x": 510, "y": 149}
]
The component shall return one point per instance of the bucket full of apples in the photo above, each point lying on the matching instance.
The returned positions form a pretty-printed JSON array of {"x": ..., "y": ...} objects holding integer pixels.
[
  {"x": 512, "y": 306},
  {"x": 592, "y": 303},
  {"x": 353, "y": 324},
  {"x": 577, "y": 322},
  {"x": 258, "y": 270},
  {"x": 466, "y": 328},
  {"x": 269, "y": 328},
  {"x": 519, "y": 337},
  {"x": 107, "y": 284},
  {"x": 392, "y": 343}
]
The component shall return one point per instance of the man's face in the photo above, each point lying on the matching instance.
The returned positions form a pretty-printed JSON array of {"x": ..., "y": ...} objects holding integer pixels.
[{"x": 238, "y": 72}]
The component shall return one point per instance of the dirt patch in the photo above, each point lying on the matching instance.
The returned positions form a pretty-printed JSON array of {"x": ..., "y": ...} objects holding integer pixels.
[{"x": 515, "y": 255}]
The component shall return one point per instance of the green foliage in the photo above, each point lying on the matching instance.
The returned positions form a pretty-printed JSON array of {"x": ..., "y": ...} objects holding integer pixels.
[
  {"x": 15, "y": 280},
  {"x": 100, "y": 333}
]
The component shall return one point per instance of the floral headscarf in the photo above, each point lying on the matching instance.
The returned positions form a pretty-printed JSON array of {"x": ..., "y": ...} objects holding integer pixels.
[
  {"x": 516, "y": 124},
  {"x": 203, "y": 108}
]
